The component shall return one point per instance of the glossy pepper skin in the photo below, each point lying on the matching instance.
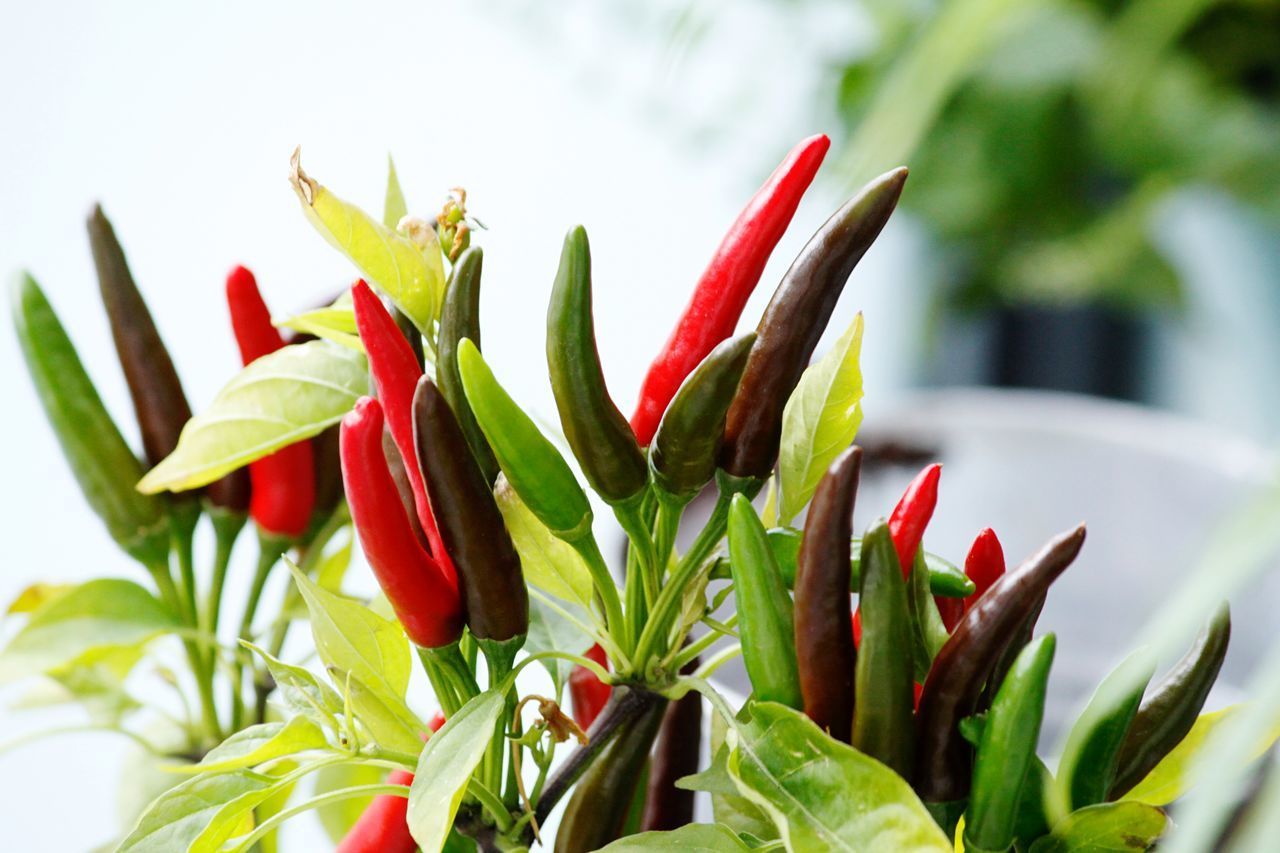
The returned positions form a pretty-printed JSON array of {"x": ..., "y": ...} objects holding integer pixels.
[
  {"x": 882, "y": 723},
  {"x": 283, "y": 484},
  {"x": 983, "y": 564},
  {"x": 955, "y": 683},
  {"x": 675, "y": 756},
  {"x": 100, "y": 459},
  {"x": 911, "y": 516},
  {"x": 497, "y": 602},
  {"x": 824, "y": 635},
  {"x": 733, "y": 273},
  {"x": 424, "y": 594},
  {"x": 683, "y": 454},
  {"x": 460, "y": 318},
  {"x": 598, "y": 434},
  {"x": 1007, "y": 749},
  {"x": 1169, "y": 709},
  {"x": 764, "y": 610},
  {"x": 794, "y": 321},
  {"x": 587, "y": 693}
]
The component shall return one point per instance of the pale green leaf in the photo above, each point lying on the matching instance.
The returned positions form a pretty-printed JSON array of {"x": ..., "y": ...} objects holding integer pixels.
[
  {"x": 291, "y": 394},
  {"x": 550, "y": 631},
  {"x": 273, "y": 805},
  {"x": 820, "y": 421},
  {"x": 550, "y": 563},
  {"x": 335, "y": 323},
  {"x": 198, "y": 815},
  {"x": 694, "y": 838},
  {"x": 387, "y": 718},
  {"x": 95, "y": 681},
  {"x": 1171, "y": 778},
  {"x": 393, "y": 204},
  {"x": 333, "y": 566},
  {"x": 299, "y": 689},
  {"x": 1121, "y": 827},
  {"x": 259, "y": 744},
  {"x": 337, "y": 818},
  {"x": 36, "y": 596}
]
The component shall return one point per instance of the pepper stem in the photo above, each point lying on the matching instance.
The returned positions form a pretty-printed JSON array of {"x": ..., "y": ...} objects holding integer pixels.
[{"x": 270, "y": 549}]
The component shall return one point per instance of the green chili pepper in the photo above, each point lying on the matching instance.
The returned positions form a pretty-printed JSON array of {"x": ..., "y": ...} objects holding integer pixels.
[
  {"x": 1007, "y": 750},
  {"x": 764, "y": 610},
  {"x": 1170, "y": 708},
  {"x": 794, "y": 321},
  {"x": 824, "y": 630},
  {"x": 1010, "y": 653},
  {"x": 882, "y": 723},
  {"x": 460, "y": 318},
  {"x": 929, "y": 634},
  {"x": 683, "y": 452},
  {"x": 102, "y": 462},
  {"x": 597, "y": 432}
]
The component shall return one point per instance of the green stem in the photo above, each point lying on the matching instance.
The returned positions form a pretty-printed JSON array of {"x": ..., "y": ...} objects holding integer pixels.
[
  {"x": 631, "y": 515},
  {"x": 700, "y": 645},
  {"x": 492, "y": 803},
  {"x": 195, "y": 655},
  {"x": 605, "y": 587},
  {"x": 272, "y": 823},
  {"x": 500, "y": 658},
  {"x": 185, "y": 514},
  {"x": 665, "y": 528},
  {"x": 270, "y": 549},
  {"x": 441, "y": 683},
  {"x": 226, "y": 529}
]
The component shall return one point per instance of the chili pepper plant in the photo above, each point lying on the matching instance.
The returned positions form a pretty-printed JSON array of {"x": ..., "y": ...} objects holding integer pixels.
[{"x": 909, "y": 721}]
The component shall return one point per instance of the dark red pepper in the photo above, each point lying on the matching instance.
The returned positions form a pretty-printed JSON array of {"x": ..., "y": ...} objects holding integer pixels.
[{"x": 586, "y": 691}]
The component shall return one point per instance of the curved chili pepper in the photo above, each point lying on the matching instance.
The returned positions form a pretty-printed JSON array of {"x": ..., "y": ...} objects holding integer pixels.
[
  {"x": 794, "y": 321},
  {"x": 1020, "y": 639},
  {"x": 764, "y": 610},
  {"x": 683, "y": 456},
  {"x": 598, "y": 434},
  {"x": 423, "y": 594},
  {"x": 963, "y": 665},
  {"x": 1007, "y": 750},
  {"x": 100, "y": 459},
  {"x": 497, "y": 602},
  {"x": 460, "y": 318},
  {"x": 1169, "y": 709},
  {"x": 283, "y": 483},
  {"x": 929, "y": 631},
  {"x": 984, "y": 564},
  {"x": 733, "y": 273},
  {"x": 675, "y": 756},
  {"x": 587, "y": 692},
  {"x": 882, "y": 723},
  {"x": 824, "y": 640},
  {"x": 911, "y": 516}
]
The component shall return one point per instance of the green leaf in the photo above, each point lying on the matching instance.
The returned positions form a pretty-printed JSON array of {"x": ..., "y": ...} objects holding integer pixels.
[
  {"x": 727, "y": 805},
  {"x": 98, "y": 686},
  {"x": 388, "y": 719},
  {"x": 301, "y": 691},
  {"x": 550, "y": 563},
  {"x": 549, "y": 631},
  {"x": 802, "y": 779},
  {"x": 92, "y": 621},
  {"x": 333, "y": 566},
  {"x": 694, "y": 838},
  {"x": 35, "y": 596},
  {"x": 820, "y": 420},
  {"x": 273, "y": 805},
  {"x": 337, "y": 818},
  {"x": 393, "y": 206},
  {"x": 291, "y": 394},
  {"x": 1123, "y": 826},
  {"x": 198, "y": 815},
  {"x": 336, "y": 322},
  {"x": 1171, "y": 778},
  {"x": 445, "y": 766},
  {"x": 259, "y": 744}
]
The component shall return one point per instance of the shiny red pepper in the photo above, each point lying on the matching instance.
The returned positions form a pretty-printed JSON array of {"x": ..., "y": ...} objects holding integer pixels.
[
  {"x": 423, "y": 593},
  {"x": 720, "y": 295},
  {"x": 983, "y": 565},
  {"x": 283, "y": 484},
  {"x": 587, "y": 692},
  {"x": 911, "y": 516}
]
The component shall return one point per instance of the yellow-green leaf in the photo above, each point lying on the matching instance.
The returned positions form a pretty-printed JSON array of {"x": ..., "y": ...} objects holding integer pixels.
[
  {"x": 550, "y": 563},
  {"x": 335, "y": 323},
  {"x": 199, "y": 814},
  {"x": 259, "y": 744},
  {"x": 1121, "y": 827},
  {"x": 393, "y": 205},
  {"x": 36, "y": 596}
]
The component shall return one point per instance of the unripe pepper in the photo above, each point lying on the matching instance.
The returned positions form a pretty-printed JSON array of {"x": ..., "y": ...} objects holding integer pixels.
[
  {"x": 722, "y": 291},
  {"x": 471, "y": 526},
  {"x": 587, "y": 693},
  {"x": 794, "y": 321},
  {"x": 423, "y": 593},
  {"x": 283, "y": 483},
  {"x": 824, "y": 638},
  {"x": 460, "y": 318}
]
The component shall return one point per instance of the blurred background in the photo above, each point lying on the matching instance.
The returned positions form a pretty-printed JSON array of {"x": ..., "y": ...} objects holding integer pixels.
[{"x": 1094, "y": 207}]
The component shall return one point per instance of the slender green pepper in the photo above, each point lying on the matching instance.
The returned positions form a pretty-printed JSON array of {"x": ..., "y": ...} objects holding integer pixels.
[
  {"x": 943, "y": 759},
  {"x": 460, "y": 318},
  {"x": 1010, "y": 653},
  {"x": 794, "y": 321},
  {"x": 1007, "y": 750},
  {"x": 102, "y": 462},
  {"x": 683, "y": 452},
  {"x": 882, "y": 723},
  {"x": 764, "y": 610},
  {"x": 597, "y": 432},
  {"x": 929, "y": 632},
  {"x": 1169, "y": 709},
  {"x": 824, "y": 634},
  {"x": 497, "y": 602}
]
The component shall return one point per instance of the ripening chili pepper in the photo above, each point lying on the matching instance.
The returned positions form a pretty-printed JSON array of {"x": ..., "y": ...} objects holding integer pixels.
[
  {"x": 598, "y": 434},
  {"x": 588, "y": 694},
  {"x": 101, "y": 461},
  {"x": 1169, "y": 709},
  {"x": 423, "y": 593},
  {"x": 1007, "y": 750},
  {"x": 911, "y": 516},
  {"x": 961, "y": 669},
  {"x": 283, "y": 483},
  {"x": 824, "y": 641},
  {"x": 882, "y": 721},
  {"x": 733, "y": 273},
  {"x": 929, "y": 632},
  {"x": 460, "y": 318},
  {"x": 474, "y": 535},
  {"x": 400, "y": 476},
  {"x": 675, "y": 756},
  {"x": 983, "y": 565},
  {"x": 794, "y": 321}
]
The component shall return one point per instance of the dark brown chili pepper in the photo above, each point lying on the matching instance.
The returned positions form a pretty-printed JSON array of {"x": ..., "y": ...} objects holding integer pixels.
[
  {"x": 674, "y": 756},
  {"x": 460, "y": 318}
]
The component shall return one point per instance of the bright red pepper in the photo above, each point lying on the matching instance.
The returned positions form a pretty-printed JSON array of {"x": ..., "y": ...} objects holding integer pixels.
[
  {"x": 983, "y": 565},
  {"x": 911, "y": 516},
  {"x": 423, "y": 593},
  {"x": 283, "y": 484},
  {"x": 587, "y": 692},
  {"x": 720, "y": 295}
]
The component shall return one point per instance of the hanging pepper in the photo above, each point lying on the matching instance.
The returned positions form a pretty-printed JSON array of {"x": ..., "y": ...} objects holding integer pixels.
[
  {"x": 1169, "y": 709},
  {"x": 794, "y": 321},
  {"x": 824, "y": 641},
  {"x": 497, "y": 602},
  {"x": 586, "y": 691},
  {"x": 460, "y": 318},
  {"x": 596, "y": 431},
  {"x": 722, "y": 291},
  {"x": 423, "y": 593},
  {"x": 675, "y": 756},
  {"x": 962, "y": 667},
  {"x": 283, "y": 483}
]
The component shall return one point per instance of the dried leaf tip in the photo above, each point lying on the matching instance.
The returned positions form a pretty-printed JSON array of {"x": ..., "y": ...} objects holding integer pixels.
[{"x": 302, "y": 183}]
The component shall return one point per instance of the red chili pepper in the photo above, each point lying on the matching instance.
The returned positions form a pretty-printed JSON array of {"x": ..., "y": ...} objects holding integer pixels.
[
  {"x": 587, "y": 692},
  {"x": 950, "y": 609},
  {"x": 283, "y": 484},
  {"x": 983, "y": 565},
  {"x": 720, "y": 295},
  {"x": 423, "y": 593},
  {"x": 911, "y": 516}
]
